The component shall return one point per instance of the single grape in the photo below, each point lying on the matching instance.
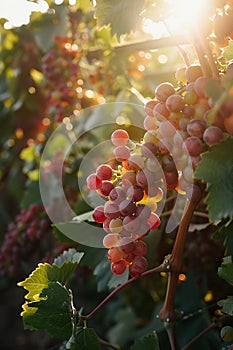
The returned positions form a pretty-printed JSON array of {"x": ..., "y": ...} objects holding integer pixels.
[
  {"x": 164, "y": 90},
  {"x": 120, "y": 137},
  {"x": 140, "y": 248},
  {"x": 149, "y": 150},
  {"x": 227, "y": 334},
  {"x": 115, "y": 254},
  {"x": 193, "y": 145},
  {"x": 153, "y": 221},
  {"x": 116, "y": 225},
  {"x": 188, "y": 111},
  {"x": 129, "y": 179},
  {"x": 171, "y": 179},
  {"x": 150, "y": 123},
  {"x": 193, "y": 72},
  {"x": 126, "y": 245},
  {"x": 160, "y": 112},
  {"x": 117, "y": 195},
  {"x": 135, "y": 193},
  {"x": 149, "y": 106},
  {"x": 167, "y": 128},
  {"x": 131, "y": 223},
  {"x": 119, "y": 267},
  {"x": 138, "y": 266},
  {"x": 175, "y": 103},
  {"x": 200, "y": 85},
  {"x": 212, "y": 135},
  {"x": 111, "y": 240},
  {"x": 196, "y": 127},
  {"x": 190, "y": 98},
  {"x": 111, "y": 210},
  {"x": 98, "y": 214},
  {"x": 104, "y": 172},
  {"x": 164, "y": 146},
  {"x": 127, "y": 207},
  {"x": 121, "y": 153},
  {"x": 151, "y": 136},
  {"x": 93, "y": 182},
  {"x": 105, "y": 188},
  {"x": 168, "y": 163}
]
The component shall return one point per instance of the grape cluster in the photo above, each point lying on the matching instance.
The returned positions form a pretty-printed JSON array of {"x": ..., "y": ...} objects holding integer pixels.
[
  {"x": 178, "y": 122},
  {"x": 132, "y": 190},
  {"x": 23, "y": 239},
  {"x": 64, "y": 81}
]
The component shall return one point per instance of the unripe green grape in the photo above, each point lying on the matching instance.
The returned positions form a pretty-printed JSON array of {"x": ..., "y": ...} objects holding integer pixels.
[{"x": 227, "y": 334}]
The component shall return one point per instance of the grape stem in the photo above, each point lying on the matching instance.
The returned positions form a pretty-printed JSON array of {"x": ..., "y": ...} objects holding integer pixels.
[
  {"x": 164, "y": 267},
  {"x": 217, "y": 324},
  {"x": 175, "y": 263}
]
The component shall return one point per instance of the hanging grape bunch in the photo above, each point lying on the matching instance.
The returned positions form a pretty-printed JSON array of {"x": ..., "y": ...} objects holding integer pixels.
[
  {"x": 180, "y": 125},
  {"x": 23, "y": 238},
  {"x": 132, "y": 192}
]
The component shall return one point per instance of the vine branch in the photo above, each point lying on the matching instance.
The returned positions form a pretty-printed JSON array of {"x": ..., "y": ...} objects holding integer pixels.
[{"x": 161, "y": 268}]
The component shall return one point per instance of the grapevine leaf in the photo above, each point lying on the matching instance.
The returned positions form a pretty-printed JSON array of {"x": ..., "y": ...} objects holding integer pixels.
[
  {"x": 67, "y": 256},
  {"x": 103, "y": 274},
  {"x": 227, "y": 305},
  {"x": 117, "y": 280},
  {"x": 120, "y": 14},
  {"x": 225, "y": 271},
  {"x": 149, "y": 342},
  {"x": 216, "y": 168},
  {"x": 52, "y": 312},
  {"x": 82, "y": 232},
  {"x": 45, "y": 273},
  {"x": 87, "y": 339}
]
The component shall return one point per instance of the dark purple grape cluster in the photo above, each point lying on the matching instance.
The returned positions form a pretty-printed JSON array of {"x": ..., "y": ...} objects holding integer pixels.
[
  {"x": 23, "y": 239},
  {"x": 132, "y": 190}
]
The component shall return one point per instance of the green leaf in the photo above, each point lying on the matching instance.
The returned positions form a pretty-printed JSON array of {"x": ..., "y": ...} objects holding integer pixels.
[
  {"x": 83, "y": 232},
  {"x": 53, "y": 312},
  {"x": 225, "y": 271},
  {"x": 122, "y": 15},
  {"x": 87, "y": 339},
  {"x": 227, "y": 305},
  {"x": 216, "y": 168},
  {"x": 117, "y": 280},
  {"x": 67, "y": 256},
  {"x": 149, "y": 342},
  {"x": 45, "y": 273},
  {"x": 103, "y": 274}
]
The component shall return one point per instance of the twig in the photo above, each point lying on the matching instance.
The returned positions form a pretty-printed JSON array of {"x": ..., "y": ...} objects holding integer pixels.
[
  {"x": 167, "y": 313},
  {"x": 160, "y": 268},
  {"x": 216, "y": 324},
  {"x": 144, "y": 45}
]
